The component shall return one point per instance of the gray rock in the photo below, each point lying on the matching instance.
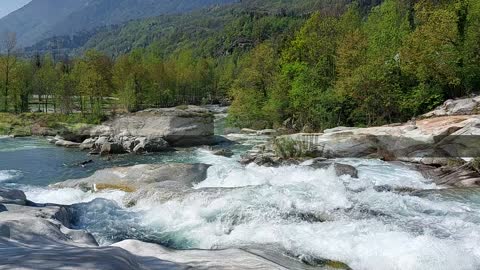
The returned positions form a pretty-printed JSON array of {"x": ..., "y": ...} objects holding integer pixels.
[
  {"x": 87, "y": 144},
  {"x": 340, "y": 168},
  {"x": 67, "y": 144},
  {"x": 135, "y": 177},
  {"x": 12, "y": 196},
  {"x": 112, "y": 148},
  {"x": 337, "y": 129},
  {"x": 465, "y": 106},
  {"x": 450, "y": 136},
  {"x": 179, "y": 127},
  {"x": 267, "y": 132},
  {"x": 144, "y": 144},
  {"x": 223, "y": 152},
  {"x": 248, "y": 131}
]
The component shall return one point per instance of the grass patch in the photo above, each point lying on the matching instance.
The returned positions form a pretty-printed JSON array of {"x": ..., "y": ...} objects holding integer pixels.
[
  {"x": 476, "y": 164},
  {"x": 287, "y": 148},
  {"x": 21, "y": 124}
]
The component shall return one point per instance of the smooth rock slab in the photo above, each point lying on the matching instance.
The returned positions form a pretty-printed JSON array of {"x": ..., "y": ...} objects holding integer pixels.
[{"x": 132, "y": 178}]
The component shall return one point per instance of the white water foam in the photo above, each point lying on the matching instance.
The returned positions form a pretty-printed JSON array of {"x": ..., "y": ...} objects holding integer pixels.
[
  {"x": 9, "y": 175},
  {"x": 67, "y": 196},
  {"x": 315, "y": 213}
]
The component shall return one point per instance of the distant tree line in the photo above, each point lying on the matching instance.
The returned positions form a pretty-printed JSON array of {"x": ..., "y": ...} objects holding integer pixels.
[
  {"x": 340, "y": 66},
  {"x": 94, "y": 82}
]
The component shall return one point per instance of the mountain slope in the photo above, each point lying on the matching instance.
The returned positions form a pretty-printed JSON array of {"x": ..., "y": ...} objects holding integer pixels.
[
  {"x": 213, "y": 31},
  {"x": 41, "y": 19},
  {"x": 33, "y": 20}
]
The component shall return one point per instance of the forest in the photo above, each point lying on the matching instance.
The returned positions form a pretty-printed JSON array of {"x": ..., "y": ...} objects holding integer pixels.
[{"x": 353, "y": 64}]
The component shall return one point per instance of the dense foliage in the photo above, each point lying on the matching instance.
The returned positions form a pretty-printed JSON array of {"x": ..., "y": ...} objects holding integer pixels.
[
  {"x": 305, "y": 65},
  {"x": 397, "y": 62}
]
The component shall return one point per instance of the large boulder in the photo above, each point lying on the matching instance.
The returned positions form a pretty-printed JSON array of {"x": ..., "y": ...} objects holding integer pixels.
[
  {"x": 188, "y": 126},
  {"x": 133, "y": 178}
]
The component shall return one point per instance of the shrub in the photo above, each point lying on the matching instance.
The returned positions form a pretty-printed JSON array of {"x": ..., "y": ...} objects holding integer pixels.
[{"x": 287, "y": 148}]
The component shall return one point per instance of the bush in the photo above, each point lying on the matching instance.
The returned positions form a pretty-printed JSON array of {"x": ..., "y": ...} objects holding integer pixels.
[{"x": 287, "y": 148}]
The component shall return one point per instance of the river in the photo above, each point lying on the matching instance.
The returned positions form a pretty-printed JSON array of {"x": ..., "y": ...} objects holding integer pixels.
[{"x": 294, "y": 211}]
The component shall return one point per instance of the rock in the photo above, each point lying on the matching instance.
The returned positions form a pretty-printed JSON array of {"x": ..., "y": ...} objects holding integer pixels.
[
  {"x": 201, "y": 259},
  {"x": 231, "y": 130},
  {"x": 456, "y": 176},
  {"x": 267, "y": 132},
  {"x": 179, "y": 127},
  {"x": 248, "y": 131},
  {"x": 67, "y": 144},
  {"x": 150, "y": 145},
  {"x": 12, "y": 196},
  {"x": 112, "y": 148},
  {"x": 465, "y": 106},
  {"x": 340, "y": 168},
  {"x": 450, "y": 136},
  {"x": 132, "y": 178},
  {"x": 87, "y": 144},
  {"x": 337, "y": 129},
  {"x": 223, "y": 152}
]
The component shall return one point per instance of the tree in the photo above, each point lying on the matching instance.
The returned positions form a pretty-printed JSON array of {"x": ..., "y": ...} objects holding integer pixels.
[
  {"x": 432, "y": 52},
  {"x": 8, "y": 61},
  {"x": 251, "y": 90}
]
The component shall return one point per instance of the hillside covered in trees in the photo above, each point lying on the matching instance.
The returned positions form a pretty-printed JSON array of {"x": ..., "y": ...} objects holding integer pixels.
[
  {"x": 307, "y": 65},
  {"x": 42, "y": 19}
]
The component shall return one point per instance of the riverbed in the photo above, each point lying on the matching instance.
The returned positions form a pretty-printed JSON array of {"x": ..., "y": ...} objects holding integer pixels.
[{"x": 293, "y": 212}]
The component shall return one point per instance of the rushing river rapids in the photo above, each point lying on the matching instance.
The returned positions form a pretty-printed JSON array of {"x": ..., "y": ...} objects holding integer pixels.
[{"x": 296, "y": 211}]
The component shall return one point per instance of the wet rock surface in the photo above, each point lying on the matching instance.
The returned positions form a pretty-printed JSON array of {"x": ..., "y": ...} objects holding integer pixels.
[{"x": 133, "y": 178}]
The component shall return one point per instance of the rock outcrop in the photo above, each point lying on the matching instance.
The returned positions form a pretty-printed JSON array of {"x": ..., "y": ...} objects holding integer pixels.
[
  {"x": 465, "y": 106},
  {"x": 152, "y": 130},
  {"x": 136, "y": 177},
  {"x": 428, "y": 140},
  {"x": 445, "y": 135}
]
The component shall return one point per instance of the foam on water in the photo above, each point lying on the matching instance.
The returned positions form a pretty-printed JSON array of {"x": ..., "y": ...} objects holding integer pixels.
[
  {"x": 314, "y": 213},
  {"x": 67, "y": 196},
  {"x": 9, "y": 175}
]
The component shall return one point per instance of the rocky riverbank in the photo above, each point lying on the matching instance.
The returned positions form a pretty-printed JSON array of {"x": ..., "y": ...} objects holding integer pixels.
[{"x": 444, "y": 144}]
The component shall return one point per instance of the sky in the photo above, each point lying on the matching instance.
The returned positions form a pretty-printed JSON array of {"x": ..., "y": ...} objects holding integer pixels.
[{"x": 8, "y": 6}]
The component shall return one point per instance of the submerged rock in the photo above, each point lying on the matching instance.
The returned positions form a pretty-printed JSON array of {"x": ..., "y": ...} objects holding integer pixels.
[
  {"x": 340, "y": 168},
  {"x": 223, "y": 152}
]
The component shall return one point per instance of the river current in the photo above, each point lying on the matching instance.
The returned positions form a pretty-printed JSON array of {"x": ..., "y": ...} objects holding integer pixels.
[{"x": 294, "y": 211}]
